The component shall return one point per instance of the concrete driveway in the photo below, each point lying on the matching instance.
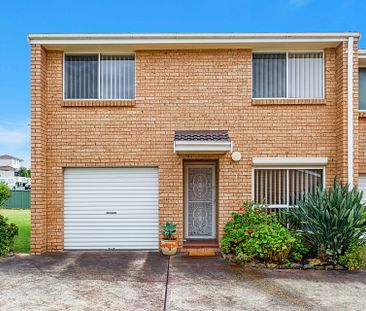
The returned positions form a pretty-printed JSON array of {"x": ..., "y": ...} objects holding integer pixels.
[{"x": 149, "y": 281}]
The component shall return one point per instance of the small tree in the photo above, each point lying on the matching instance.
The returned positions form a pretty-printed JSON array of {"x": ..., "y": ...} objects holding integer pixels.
[
  {"x": 5, "y": 193},
  {"x": 24, "y": 172}
]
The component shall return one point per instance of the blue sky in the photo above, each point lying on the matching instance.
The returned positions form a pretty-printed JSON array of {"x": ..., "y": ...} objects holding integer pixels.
[{"x": 18, "y": 18}]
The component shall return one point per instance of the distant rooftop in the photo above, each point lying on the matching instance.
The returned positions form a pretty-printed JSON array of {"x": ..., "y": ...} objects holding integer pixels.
[
  {"x": 6, "y": 168},
  {"x": 6, "y": 156}
]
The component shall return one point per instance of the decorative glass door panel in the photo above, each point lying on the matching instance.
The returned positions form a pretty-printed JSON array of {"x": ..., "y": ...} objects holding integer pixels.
[{"x": 200, "y": 201}]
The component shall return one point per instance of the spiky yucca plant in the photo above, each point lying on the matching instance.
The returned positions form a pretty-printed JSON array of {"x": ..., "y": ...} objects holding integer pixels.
[{"x": 331, "y": 220}]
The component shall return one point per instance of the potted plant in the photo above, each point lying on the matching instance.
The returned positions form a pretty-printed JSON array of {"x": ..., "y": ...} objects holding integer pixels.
[{"x": 169, "y": 244}]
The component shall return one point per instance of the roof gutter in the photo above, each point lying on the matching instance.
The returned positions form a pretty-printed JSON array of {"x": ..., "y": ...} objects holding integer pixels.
[{"x": 188, "y": 38}]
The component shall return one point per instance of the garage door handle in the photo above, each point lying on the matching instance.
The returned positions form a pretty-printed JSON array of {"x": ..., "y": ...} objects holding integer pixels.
[{"x": 111, "y": 213}]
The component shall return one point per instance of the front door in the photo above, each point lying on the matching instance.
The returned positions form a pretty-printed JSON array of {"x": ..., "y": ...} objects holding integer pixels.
[{"x": 200, "y": 207}]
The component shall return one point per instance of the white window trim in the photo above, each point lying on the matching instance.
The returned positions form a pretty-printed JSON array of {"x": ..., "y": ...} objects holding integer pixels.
[
  {"x": 290, "y": 161},
  {"x": 288, "y": 52},
  {"x": 286, "y": 167},
  {"x": 99, "y": 54}
]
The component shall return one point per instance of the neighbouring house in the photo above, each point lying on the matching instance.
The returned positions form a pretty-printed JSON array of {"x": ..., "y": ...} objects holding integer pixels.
[
  {"x": 132, "y": 130},
  {"x": 9, "y": 168}
]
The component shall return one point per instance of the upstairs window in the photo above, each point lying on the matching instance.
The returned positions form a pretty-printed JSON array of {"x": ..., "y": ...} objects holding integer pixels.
[
  {"x": 99, "y": 76},
  {"x": 362, "y": 89},
  {"x": 288, "y": 75}
]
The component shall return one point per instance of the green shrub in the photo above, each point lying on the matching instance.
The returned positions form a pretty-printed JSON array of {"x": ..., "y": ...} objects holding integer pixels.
[
  {"x": 254, "y": 234},
  {"x": 354, "y": 257},
  {"x": 5, "y": 193},
  {"x": 7, "y": 234},
  {"x": 298, "y": 248},
  {"x": 331, "y": 220}
]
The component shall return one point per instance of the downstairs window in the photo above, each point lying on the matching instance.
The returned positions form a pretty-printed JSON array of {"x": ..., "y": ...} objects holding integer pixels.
[{"x": 285, "y": 187}]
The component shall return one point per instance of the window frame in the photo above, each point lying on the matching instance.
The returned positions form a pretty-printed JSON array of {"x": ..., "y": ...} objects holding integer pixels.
[
  {"x": 360, "y": 110},
  {"x": 99, "y": 73},
  {"x": 289, "y": 52},
  {"x": 287, "y": 168}
]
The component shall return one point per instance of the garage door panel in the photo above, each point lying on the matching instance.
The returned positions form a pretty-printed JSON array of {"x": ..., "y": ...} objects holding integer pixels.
[
  {"x": 90, "y": 230},
  {"x": 131, "y": 194},
  {"x": 102, "y": 221},
  {"x": 114, "y": 245},
  {"x": 116, "y": 198},
  {"x": 118, "y": 247},
  {"x": 103, "y": 212},
  {"x": 117, "y": 204},
  {"x": 109, "y": 218}
]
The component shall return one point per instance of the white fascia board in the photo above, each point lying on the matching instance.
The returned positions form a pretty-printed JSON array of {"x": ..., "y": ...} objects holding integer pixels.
[
  {"x": 290, "y": 161},
  {"x": 182, "y": 146},
  {"x": 187, "y": 38}
]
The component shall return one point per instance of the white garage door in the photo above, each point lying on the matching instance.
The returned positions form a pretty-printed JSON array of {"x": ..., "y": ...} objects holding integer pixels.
[
  {"x": 111, "y": 208},
  {"x": 362, "y": 185}
]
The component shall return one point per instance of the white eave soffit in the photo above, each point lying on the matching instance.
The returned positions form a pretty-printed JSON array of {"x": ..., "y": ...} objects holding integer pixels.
[{"x": 191, "y": 40}]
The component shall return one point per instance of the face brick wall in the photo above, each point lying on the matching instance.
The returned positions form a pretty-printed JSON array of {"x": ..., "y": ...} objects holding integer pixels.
[
  {"x": 362, "y": 143},
  {"x": 175, "y": 90}
]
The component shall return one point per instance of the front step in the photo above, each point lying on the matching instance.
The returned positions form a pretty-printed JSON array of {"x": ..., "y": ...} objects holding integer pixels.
[
  {"x": 201, "y": 247},
  {"x": 201, "y": 253}
]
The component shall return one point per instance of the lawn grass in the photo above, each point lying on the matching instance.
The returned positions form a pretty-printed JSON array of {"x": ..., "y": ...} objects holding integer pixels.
[{"x": 20, "y": 217}]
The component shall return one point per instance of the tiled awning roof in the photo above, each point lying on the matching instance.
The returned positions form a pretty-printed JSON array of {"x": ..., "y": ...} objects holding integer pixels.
[
  {"x": 202, "y": 142},
  {"x": 213, "y": 135}
]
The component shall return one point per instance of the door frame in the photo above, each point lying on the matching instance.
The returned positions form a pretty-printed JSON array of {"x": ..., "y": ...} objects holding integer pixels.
[{"x": 205, "y": 164}]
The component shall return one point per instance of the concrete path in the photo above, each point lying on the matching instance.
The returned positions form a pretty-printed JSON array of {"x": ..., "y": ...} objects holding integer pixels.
[{"x": 149, "y": 281}]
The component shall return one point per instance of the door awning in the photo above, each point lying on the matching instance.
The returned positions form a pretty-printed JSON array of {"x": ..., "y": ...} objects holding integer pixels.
[{"x": 202, "y": 142}]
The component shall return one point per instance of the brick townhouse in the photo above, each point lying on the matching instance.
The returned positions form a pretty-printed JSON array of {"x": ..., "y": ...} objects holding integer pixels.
[{"x": 132, "y": 130}]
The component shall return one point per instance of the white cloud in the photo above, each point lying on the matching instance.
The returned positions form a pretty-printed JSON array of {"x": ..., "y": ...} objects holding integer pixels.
[
  {"x": 15, "y": 140},
  {"x": 16, "y": 136}
]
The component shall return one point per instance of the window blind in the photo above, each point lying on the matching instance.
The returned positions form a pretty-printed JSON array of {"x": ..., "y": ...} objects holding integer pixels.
[
  {"x": 302, "y": 182},
  {"x": 288, "y": 75},
  {"x": 270, "y": 186},
  {"x": 285, "y": 187},
  {"x": 305, "y": 75},
  {"x": 117, "y": 77},
  {"x": 81, "y": 76},
  {"x": 362, "y": 88},
  {"x": 99, "y": 76},
  {"x": 269, "y": 75}
]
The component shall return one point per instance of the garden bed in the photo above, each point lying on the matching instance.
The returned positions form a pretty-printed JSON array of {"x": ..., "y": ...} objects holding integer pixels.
[
  {"x": 313, "y": 264},
  {"x": 325, "y": 231}
]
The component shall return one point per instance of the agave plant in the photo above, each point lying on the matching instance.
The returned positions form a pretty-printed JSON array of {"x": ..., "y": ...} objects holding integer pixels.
[
  {"x": 331, "y": 220},
  {"x": 168, "y": 230}
]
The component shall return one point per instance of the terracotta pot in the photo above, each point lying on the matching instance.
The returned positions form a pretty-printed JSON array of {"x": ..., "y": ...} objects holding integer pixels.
[{"x": 169, "y": 247}]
